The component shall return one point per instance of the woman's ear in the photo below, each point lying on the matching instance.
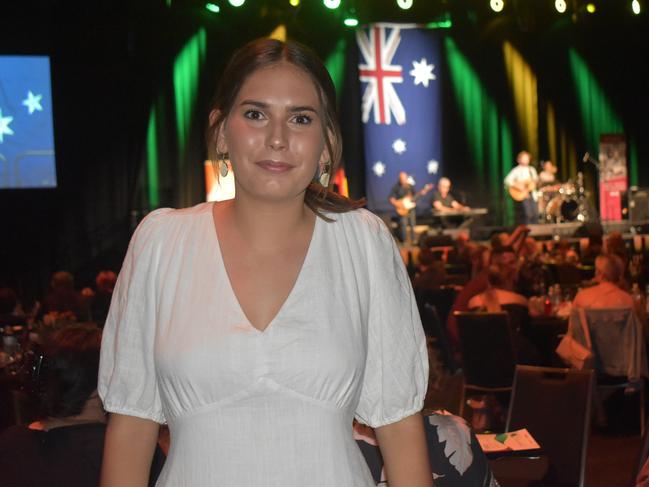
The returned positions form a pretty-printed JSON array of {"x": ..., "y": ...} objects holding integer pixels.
[{"x": 218, "y": 132}]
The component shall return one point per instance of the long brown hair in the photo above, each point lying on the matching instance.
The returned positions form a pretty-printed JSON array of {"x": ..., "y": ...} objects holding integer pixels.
[{"x": 263, "y": 53}]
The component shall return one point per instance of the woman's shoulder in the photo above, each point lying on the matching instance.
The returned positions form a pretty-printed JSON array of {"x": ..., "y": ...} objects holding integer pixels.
[
  {"x": 362, "y": 220},
  {"x": 159, "y": 222}
]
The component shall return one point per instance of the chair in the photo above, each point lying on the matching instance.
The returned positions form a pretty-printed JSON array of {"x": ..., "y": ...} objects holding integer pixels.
[
  {"x": 554, "y": 405},
  {"x": 434, "y": 328},
  {"x": 453, "y": 450},
  {"x": 642, "y": 459},
  {"x": 488, "y": 354},
  {"x": 620, "y": 360},
  {"x": 442, "y": 298}
]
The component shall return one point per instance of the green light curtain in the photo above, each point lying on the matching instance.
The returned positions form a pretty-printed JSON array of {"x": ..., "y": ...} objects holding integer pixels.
[
  {"x": 597, "y": 114},
  {"x": 487, "y": 131},
  {"x": 152, "y": 162},
  {"x": 335, "y": 64},
  {"x": 186, "y": 75}
]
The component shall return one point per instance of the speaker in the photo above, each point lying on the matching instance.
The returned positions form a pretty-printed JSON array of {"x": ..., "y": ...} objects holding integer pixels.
[{"x": 639, "y": 204}]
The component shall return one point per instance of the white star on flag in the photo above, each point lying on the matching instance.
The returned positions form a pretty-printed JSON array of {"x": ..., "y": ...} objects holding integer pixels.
[
  {"x": 399, "y": 146},
  {"x": 422, "y": 72},
  {"x": 433, "y": 166},
  {"x": 33, "y": 102},
  {"x": 4, "y": 126},
  {"x": 378, "y": 168}
]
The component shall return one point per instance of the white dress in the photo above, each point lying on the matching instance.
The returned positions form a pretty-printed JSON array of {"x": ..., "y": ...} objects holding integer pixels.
[{"x": 263, "y": 409}]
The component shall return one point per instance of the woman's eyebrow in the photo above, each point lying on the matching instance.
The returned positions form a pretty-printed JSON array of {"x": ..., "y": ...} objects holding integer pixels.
[{"x": 292, "y": 109}]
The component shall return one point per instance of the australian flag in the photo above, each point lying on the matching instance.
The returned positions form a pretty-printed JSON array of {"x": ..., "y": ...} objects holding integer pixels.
[
  {"x": 27, "y": 158},
  {"x": 401, "y": 110}
]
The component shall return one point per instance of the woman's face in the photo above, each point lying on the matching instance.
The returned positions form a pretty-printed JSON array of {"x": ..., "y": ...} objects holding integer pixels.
[{"x": 274, "y": 134}]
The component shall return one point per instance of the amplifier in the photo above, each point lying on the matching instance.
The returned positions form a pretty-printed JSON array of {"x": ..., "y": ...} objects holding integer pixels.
[{"x": 638, "y": 204}]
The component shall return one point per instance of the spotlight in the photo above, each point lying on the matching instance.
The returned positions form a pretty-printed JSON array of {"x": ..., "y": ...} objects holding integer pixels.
[
  {"x": 635, "y": 6},
  {"x": 332, "y": 4},
  {"x": 294, "y": 3},
  {"x": 212, "y": 7},
  {"x": 404, "y": 4},
  {"x": 560, "y": 5},
  {"x": 590, "y": 8},
  {"x": 236, "y": 3},
  {"x": 497, "y": 5},
  {"x": 351, "y": 22}
]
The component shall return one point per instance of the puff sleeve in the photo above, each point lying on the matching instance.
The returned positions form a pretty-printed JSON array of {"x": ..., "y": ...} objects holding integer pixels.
[
  {"x": 127, "y": 380},
  {"x": 396, "y": 368}
]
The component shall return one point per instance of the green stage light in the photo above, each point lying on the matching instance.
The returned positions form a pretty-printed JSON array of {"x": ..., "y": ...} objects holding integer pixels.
[
  {"x": 404, "y": 4},
  {"x": 294, "y": 3},
  {"x": 560, "y": 5},
  {"x": 237, "y": 3},
  {"x": 350, "y": 22},
  {"x": 635, "y": 6},
  {"x": 332, "y": 4},
  {"x": 590, "y": 8},
  {"x": 497, "y": 5},
  {"x": 212, "y": 7}
]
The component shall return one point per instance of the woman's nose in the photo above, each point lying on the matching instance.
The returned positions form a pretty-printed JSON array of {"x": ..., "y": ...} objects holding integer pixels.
[{"x": 277, "y": 136}]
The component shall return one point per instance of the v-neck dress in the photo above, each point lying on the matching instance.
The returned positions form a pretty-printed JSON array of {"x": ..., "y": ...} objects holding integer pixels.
[{"x": 247, "y": 408}]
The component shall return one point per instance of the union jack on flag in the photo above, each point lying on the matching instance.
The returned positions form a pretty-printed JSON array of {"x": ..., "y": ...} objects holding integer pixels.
[
  {"x": 380, "y": 74},
  {"x": 401, "y": 108}
]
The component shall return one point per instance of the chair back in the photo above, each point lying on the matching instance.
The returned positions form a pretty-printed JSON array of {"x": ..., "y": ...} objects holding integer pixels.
[
  {"x": 442, "y": 298},
  {"x": 617, "y": 341},
  {"x": 554, "y": 405},
  {"x": 487, "y": 347},
  {"x": 433, "y": 327}
]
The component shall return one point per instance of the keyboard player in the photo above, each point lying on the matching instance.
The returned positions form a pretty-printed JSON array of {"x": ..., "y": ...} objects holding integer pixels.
[{"x": 444, "y": 202}]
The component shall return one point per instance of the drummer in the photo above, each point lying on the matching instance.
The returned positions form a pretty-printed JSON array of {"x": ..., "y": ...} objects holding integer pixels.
[{"x": 548, "y": 174}]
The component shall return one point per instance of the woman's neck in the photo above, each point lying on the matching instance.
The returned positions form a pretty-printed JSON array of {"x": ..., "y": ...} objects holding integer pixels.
[{"x": 265, "y": 222}]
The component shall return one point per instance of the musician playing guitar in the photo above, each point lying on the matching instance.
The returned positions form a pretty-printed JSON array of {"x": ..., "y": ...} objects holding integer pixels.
[
  {"x": 404, "y": 199},
  {"x": 521, "y": 183}
]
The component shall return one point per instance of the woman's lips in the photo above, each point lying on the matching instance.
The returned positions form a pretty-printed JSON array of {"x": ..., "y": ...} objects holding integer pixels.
[{"x": 275, "y": 166}]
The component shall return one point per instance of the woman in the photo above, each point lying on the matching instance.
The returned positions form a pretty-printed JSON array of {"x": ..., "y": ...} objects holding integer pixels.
[
  {"x": 64, "y": 448},
  {"x": 257, "y": 328}
]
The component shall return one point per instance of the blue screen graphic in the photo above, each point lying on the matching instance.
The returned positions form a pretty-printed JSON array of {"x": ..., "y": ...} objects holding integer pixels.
[{"x": 26, "y": 129}]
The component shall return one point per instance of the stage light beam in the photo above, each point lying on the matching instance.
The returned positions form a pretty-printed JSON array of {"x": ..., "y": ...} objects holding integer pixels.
[
  {"x": 294, "y": 3},
  {"x": 635, "y": 6},
  {"x": 351, "y": 22},
  {"x": 332, "y": 4},
  {"x": 560, "y": 5},
  {"x": 404, "y": 4},
  {"x": 497, "y": 5},
  {"x": 237, "y": 3},
  {"x": 212, "y": 7},
  {"x": 591, "y": 8}
]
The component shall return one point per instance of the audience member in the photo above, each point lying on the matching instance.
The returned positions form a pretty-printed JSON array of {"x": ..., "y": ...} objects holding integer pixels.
[
  {"x": 8, "y": 306},
  {"x": 607, "y": 292},
  {"x": 99, "y": 300},
  {"x": 65, "y": 447},
  {"x": 505, "y": 256},
  {"x": 499, "y": 292},
  {"x": 431, "y": 273},
  {"x": 63, "y": 297},
  {"x": 594, "y": 248}
]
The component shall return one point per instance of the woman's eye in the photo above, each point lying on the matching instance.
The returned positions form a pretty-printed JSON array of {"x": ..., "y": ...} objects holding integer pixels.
[
  {"x": 253, "y": 114},
  {"x": 302, "y": 119}
]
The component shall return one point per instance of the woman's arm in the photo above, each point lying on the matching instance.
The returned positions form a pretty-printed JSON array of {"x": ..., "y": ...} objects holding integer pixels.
[
  {"x": 405, "y": 452},
  {"x": 128, "y": 451}
]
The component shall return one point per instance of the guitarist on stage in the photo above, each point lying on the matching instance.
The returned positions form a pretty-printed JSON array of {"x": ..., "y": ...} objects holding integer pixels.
[
  {"x": 403, "y": 197},
  {"x": 521, "y": 183}
]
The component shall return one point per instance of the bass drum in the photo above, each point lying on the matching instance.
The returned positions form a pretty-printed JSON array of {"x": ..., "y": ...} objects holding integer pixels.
[
  {"x": 562, "y": 208},
  {"x": 569, "y": 209}
]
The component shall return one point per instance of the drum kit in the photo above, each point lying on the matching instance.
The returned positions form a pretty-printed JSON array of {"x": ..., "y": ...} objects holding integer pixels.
[{"x": 564, "y": 202}]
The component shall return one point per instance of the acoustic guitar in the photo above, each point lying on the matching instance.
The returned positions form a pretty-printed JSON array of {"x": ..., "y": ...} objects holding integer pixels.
[
  {"x": 520, "y": 193},
  {"x": 407, "y": 203}
]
